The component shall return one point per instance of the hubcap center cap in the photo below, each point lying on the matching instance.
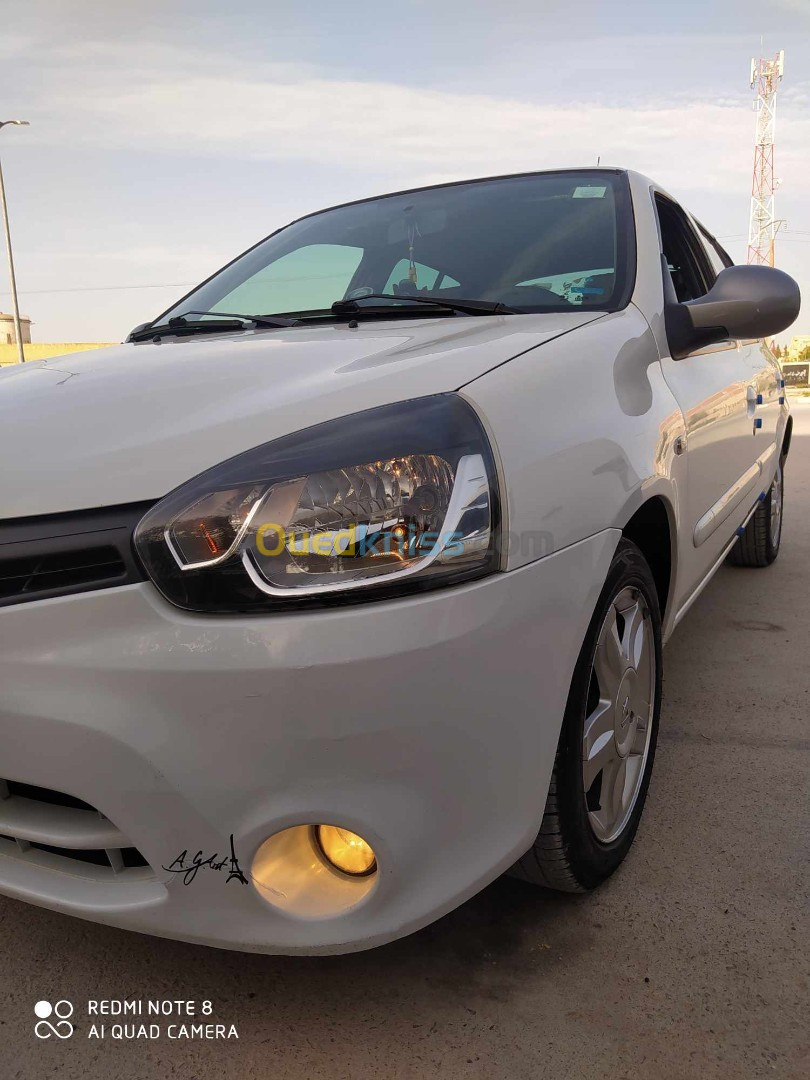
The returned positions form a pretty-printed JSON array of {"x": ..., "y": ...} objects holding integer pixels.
[{"x": 625, "y": 717}]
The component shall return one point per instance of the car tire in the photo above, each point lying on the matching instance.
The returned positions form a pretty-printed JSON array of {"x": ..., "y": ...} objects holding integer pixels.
[
  {"x": 587, "y": 831},
  {"x": 760, "y": 541}
]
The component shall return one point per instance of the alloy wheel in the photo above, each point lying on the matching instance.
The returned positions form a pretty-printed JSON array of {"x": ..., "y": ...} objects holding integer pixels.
[
  {"x": 618, "y": 723},
  {"x": 776, "y": 507}
]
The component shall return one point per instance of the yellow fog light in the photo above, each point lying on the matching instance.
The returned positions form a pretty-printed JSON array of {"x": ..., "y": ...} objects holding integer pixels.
[{"x": 346, "y": 850}]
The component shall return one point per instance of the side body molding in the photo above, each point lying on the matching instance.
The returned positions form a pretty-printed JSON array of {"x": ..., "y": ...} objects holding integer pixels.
[{"x": 727, "y": 503}]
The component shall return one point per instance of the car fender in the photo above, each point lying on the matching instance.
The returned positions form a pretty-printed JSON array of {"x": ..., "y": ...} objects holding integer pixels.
[{"x": 584, "y": 433}]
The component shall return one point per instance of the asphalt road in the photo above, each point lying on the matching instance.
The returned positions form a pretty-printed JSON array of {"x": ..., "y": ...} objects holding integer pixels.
[{"x": 693, "y": 961}]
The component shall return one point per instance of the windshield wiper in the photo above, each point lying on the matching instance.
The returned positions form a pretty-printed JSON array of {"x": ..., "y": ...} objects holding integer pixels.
[
  {"x": 257, "y": 320},
  {"x": 182, "y": 325},
  {"x": 464, "y": 307}
]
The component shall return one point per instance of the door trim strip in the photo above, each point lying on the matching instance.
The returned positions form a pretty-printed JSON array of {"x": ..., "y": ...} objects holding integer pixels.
[
  {"x": 727, "y": 503},
  {"x": 686, "y": 605}
]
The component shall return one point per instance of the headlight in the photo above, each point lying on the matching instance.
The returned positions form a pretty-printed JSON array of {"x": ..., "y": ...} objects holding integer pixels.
[{"x": 393, "y": 499}]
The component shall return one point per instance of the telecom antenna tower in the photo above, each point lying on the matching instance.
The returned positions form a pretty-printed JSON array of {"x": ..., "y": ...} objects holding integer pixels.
[{"x": 766, "y": 74}]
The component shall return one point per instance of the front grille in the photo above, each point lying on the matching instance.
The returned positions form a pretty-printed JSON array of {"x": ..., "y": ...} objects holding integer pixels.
[
  {"x": 58, "y": 554},
  {"x": 66, "y": 570},
  {"x": 61, "y": 832},
  {"x": 41, "y": 794}
]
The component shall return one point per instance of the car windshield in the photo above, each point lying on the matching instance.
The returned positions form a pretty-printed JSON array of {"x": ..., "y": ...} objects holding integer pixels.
[{"x": 542, "y": 242}]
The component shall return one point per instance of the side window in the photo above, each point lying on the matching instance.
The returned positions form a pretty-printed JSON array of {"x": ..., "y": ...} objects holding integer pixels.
[
  {"x": 690, "y": 270},
  {"x": 426, "y": 277},
  {"x": 309, "y": 277},
  {"x": 718, "y": 256},
  {"x": 713, "y": 257}
]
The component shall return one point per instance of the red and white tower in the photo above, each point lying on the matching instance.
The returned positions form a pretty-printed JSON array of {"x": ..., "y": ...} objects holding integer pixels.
[{"x": 766, "y": 74}]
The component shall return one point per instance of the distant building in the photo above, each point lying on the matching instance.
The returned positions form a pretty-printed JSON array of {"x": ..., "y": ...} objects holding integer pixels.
[
  {"x": 9, "y": 353},
  {"x": 41, "y": 351},
  {"x": 8, "y": 335},
  {"x": 797, "y": 346}
]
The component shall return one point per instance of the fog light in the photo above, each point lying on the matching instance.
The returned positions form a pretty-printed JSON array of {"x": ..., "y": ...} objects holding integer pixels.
[{"x": 346, "y": 850}]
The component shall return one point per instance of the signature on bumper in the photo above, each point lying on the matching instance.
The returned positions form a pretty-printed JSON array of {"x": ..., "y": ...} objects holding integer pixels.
[{"x": 189, "y": 867}]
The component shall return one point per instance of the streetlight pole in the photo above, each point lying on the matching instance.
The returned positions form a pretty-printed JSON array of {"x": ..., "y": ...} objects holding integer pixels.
[{"x": 12, "y": 278}]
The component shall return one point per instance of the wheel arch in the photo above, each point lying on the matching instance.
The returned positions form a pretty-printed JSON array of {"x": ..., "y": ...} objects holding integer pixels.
[
  {"x": 786, "y": 440},
  {"x": 652, "y": 529}
]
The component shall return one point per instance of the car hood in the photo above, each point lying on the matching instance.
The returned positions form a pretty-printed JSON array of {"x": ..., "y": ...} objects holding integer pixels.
[{"x": 130, "y": 423}]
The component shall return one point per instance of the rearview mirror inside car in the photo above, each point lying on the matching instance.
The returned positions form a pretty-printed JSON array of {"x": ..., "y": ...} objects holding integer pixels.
[{"x": 744, "y": 302}]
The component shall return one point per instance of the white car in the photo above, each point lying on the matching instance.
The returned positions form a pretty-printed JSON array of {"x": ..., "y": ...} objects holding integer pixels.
[{"x": 340, "y": 588}]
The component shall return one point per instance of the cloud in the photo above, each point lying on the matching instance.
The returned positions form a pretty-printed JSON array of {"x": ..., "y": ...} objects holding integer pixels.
[
  {"x": 200, "y": 104},
  {"x": 15, "y": 46},
  {"x": 799, "y": 7},
  {"x": 103, "y": 104}
]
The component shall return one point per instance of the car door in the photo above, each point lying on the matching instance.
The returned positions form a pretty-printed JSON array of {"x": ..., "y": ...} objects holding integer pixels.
[
  {"x": 766, "y": 374},
  {"x": 716, "y": 388}
]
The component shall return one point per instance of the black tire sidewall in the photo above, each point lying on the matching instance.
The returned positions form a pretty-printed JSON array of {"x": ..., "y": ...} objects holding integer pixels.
[
  {"x": 590, "y": 860},
  {"x": 771, "y": 549}
]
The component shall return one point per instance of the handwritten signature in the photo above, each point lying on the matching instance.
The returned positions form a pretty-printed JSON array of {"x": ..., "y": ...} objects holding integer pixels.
[{"x": 189, "y": 868}]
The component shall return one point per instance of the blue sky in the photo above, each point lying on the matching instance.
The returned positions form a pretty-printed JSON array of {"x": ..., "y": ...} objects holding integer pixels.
[{"x": 167, "y": 137}]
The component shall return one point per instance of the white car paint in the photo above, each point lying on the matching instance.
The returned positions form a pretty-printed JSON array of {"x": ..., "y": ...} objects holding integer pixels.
[
  {"x": 133, "y": 421},
  {"x": 185, "y": 729}
]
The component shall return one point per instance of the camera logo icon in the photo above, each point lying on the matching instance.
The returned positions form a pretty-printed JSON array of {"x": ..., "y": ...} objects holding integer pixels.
[{"x": 61, "y": 1027}]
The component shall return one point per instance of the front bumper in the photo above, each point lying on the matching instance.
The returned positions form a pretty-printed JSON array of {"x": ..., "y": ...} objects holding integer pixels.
[{"x": 428, "y": 725}]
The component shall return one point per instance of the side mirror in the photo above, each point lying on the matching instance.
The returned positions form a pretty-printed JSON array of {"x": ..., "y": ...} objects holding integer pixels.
[{"x": 744, "y": 302}]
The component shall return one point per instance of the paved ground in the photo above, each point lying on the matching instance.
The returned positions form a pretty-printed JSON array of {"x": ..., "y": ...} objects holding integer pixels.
[{"x": 694, "y": 961}]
